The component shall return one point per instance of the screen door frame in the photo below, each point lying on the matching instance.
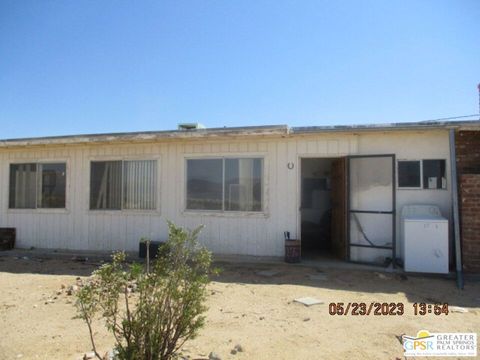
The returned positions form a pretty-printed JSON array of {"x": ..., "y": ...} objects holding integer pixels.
[{"x": 351, "y": 211}]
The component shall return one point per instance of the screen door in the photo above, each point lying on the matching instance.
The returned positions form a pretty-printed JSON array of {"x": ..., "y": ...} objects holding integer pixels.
[{"x": 371, "y": 209}]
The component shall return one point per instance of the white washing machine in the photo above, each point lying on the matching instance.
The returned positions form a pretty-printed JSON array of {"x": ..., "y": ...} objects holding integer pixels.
[{"x": 425, "y": 239}]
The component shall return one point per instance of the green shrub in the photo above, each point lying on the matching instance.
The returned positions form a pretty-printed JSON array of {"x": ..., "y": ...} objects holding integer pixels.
[{"x": 151, "y": 314}]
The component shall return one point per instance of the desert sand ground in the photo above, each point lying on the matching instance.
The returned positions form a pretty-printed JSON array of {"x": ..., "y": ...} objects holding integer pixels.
[{"x": 245, "y": 307}]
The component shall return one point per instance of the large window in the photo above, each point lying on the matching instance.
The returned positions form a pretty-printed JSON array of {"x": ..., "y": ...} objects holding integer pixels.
[
  {"x": 117, "y": 185},
  {"x": 37, "y": 185},
  {"x": 418, "y": 174},
  {"x": 224, "y": 184}
]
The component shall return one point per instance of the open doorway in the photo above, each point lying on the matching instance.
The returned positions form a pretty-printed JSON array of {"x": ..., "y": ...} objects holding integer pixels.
[{"x": 323, "y": 207}]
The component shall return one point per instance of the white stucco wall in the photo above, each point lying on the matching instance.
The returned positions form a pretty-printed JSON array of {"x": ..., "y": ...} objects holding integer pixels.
[
  {"x": 413, "y": 146},
  {"x": 229, "y": 233}
]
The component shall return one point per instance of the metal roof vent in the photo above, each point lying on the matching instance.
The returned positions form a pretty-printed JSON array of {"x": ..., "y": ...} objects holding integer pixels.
[{"x": 190, "y": 126}]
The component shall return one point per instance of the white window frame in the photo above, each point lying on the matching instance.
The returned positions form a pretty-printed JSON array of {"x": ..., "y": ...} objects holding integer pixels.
[
  {"x": 123, "y": 211},
  {"x": 63, "y": 160},
  {"x": 421, "y": 187},
  {"x": 227, "y": 213}
]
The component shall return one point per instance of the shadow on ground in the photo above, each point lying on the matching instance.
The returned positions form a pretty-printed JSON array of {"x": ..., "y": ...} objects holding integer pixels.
[{"x": 357, "y": 279}]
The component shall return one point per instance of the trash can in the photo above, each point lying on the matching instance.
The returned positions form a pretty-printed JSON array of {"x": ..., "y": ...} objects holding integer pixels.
[
  {"x": 7, "y": 238},
  {"x": 152, "y": 250},
  {"x": 293, "y": 251}
]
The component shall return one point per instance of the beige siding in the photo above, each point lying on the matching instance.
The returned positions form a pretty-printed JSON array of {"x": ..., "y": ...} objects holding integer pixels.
[{"x": 256, "y": 234}]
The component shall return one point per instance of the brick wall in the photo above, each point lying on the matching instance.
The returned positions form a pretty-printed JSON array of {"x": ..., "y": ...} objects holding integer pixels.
[
  {"x": 470, "y": 221},
  {"x": 468, "y": 170},
  {"x": 468, "y": 152}
]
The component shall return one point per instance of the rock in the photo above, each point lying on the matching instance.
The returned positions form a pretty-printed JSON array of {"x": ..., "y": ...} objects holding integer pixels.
[
  {"x": 62, "y": 286},
  {"x": 233, "y": 351},
  {"x": 214, "y": 356},
  {"x": 239, "y": 348},
  {"x": 458, "y": 309},
  {"x": 308, "y": 301},
  {"x": 89, "y": 355},
  {"x": 262, "y": 317},
  {"x": 381, "y": 276},
  {"x": 72, "y": 289},
  {"x": 306, "y": 319},
  {"x": 267, "y": 273},
  {"x": 59, "y": 292}
]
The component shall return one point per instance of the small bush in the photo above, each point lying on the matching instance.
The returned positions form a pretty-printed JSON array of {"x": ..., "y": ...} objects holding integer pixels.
[{"x": 151, "y": 314}]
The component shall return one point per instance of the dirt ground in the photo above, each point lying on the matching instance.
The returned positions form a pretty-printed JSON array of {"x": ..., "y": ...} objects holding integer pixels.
[{"x": 254, "y": 310}]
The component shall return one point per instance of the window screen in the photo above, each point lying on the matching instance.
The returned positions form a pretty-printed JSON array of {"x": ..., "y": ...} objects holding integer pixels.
[
  {"x": 106, "y": 185},
  {"x": 409, "y": 174},
  {"x": 51, "y": 182},
  {"x": 116, "y": 185},
  {"x": 225, "y": 184},
  {"x": 434, "y": 174},
  {"x": 37, "y": 185},
  {"x": 23, "y": 183},
  {"x": 139, "y": 184},
  {"x": 243, "y": 184},
  {"x": 204, "y": 184}
]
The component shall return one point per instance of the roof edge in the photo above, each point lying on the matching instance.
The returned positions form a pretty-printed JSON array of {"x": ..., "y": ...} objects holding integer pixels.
[
  {"x": 421, "y": 125},
  {"x": 226, "y": 132},
  {"x": 139, "y": 136}
]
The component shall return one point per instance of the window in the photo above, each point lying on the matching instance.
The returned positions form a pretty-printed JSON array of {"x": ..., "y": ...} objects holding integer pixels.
[
  {"x": 409, "y": 174},
  {"x": 117, "y": 185},
  {"x": 39, "y": 185},
  {"x": 434, "y": 174},
  {"x": 224, "y": 184},
  {"x": 205, "y": 184},
  {"x": 418, "y": 174}
]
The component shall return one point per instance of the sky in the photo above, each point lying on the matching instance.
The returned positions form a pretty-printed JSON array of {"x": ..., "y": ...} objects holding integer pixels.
[{"x": 72, "y": 67}]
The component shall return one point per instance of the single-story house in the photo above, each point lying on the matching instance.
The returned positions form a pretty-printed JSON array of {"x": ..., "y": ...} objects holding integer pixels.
[{"x": 339, "y": 189}]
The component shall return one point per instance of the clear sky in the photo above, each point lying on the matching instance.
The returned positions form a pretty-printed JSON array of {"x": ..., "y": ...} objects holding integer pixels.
[{"x": 69, "y": 67}]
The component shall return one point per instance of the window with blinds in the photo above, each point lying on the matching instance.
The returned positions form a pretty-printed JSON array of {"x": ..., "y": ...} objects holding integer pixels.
[
  {"x": 37, "y": 185},
  {"x": 129, "y": 185}
]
